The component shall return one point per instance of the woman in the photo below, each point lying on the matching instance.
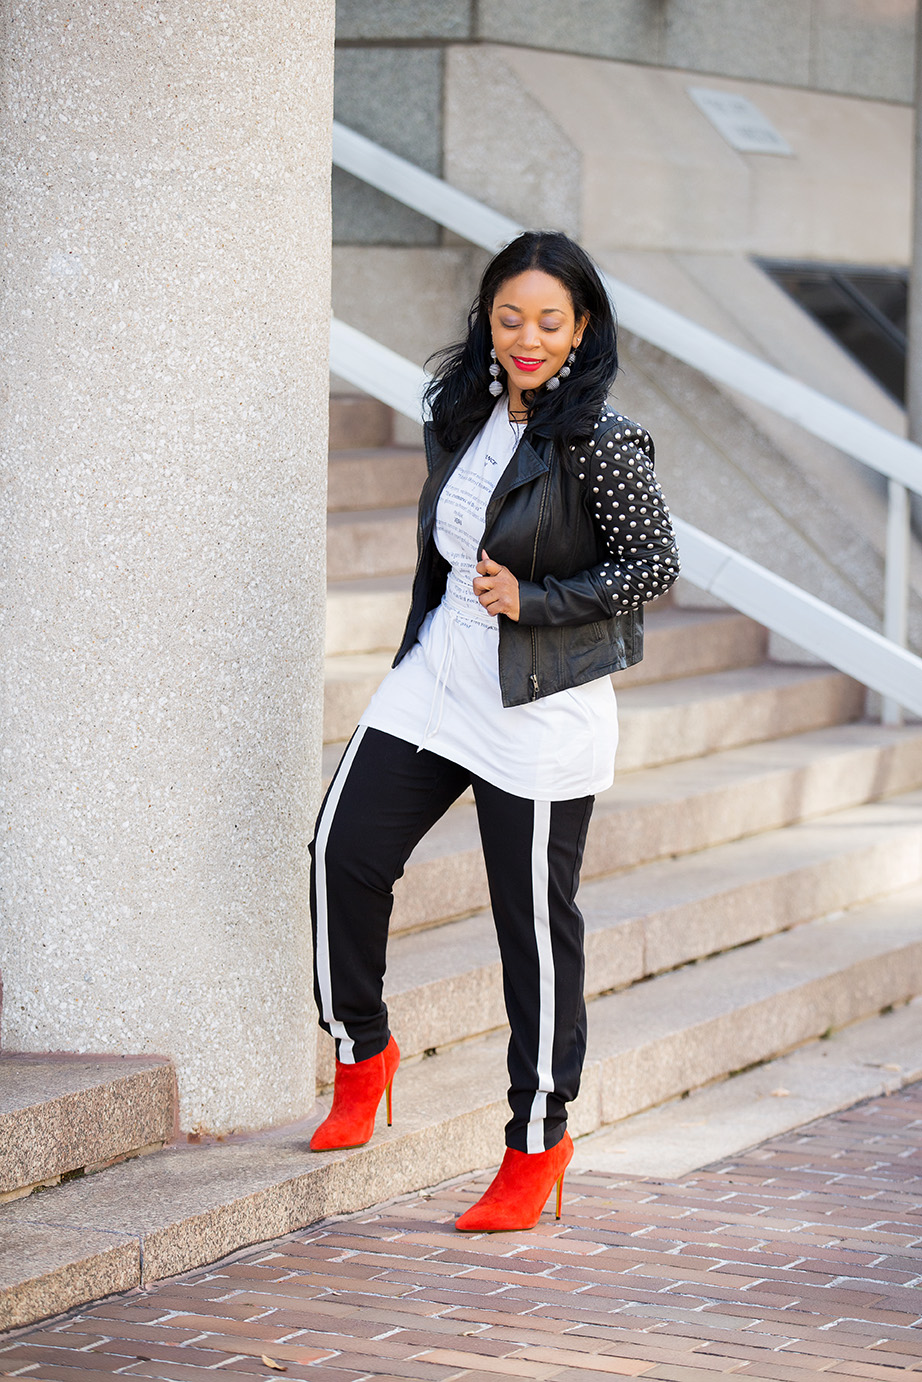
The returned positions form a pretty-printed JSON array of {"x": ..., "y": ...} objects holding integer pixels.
[{"x": 542, "y": 531}]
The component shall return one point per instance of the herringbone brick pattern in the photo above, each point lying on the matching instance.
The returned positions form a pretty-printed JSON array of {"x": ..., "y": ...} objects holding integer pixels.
[{"x": 800, "y": 1259}]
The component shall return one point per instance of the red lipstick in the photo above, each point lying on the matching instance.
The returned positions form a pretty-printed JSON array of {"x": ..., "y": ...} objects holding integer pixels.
[{"x": 528, "y": 365}]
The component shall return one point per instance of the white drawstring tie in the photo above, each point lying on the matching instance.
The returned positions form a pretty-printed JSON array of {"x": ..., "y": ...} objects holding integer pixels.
[{"x": 441, "y": 682}]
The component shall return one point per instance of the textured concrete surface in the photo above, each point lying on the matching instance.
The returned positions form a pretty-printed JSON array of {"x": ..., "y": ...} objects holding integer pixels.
[
  {"x": 541, "y": 183},
  {"x": 798, "y": 1259},
  {"x": 373, "y": 285},
  {"x": 60, "y": 1113},
  {"x": 403, "y": 19},
  {"x": 165, "y": 309},
  {"x": 395, "y": 96},
  {"x": 831, "y": 45}
]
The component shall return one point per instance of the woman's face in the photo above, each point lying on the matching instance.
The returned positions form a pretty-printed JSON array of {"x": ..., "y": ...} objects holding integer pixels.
[{"x": 534, "y": 330}]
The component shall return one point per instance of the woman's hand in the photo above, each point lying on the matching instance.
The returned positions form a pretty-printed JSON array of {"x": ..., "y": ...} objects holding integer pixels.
[{"x": 496, "y": 588}]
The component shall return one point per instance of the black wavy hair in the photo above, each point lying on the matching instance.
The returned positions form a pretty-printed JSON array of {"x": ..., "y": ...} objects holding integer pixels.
[{"x": 458, "y": 397}]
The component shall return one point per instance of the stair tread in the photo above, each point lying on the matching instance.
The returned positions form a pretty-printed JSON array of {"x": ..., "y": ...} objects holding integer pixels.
[
  {"x": 730, "y": 681},
  {"x": 752, "y": 764},
  {"x": 663, "y": 722},
  {"x": 28, "y": 1081},
  {"x": 694, "y": 993},
  {"x": 189, "y": 1205}
]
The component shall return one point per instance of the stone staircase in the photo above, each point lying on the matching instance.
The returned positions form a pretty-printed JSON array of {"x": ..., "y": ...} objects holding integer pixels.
[{"x": 752, "y": 883}]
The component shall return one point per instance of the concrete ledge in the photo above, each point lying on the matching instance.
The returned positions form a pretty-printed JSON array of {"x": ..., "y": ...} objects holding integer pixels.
[
  {"x": 61, "y": 1113},
  {"x": 874, "y": 1057},
  {"x": 45, "y": 1269}
]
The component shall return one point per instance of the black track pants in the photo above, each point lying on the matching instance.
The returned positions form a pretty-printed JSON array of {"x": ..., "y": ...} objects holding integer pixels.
[{"x": 385, "y": 796}]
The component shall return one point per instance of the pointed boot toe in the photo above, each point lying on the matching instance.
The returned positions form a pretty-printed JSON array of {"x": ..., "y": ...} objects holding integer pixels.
[{"x": 519, "y": 1190}]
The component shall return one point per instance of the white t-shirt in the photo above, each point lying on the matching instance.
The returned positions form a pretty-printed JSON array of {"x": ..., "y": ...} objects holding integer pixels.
[{"x": 445, "y": 694}]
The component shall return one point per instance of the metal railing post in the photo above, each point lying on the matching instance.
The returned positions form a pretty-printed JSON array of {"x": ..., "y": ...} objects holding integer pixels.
[{"x": 896, "y": 583}]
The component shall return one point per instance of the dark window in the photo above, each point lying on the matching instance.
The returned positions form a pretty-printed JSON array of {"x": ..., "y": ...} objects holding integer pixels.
[{"x": 865, "y": 309}]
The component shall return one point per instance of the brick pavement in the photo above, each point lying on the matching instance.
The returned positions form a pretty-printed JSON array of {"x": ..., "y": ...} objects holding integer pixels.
[{"x": 798, "y": 1260}]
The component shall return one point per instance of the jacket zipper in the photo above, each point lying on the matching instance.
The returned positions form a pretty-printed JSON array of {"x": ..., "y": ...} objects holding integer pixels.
[{"x": 534, "y": 561}]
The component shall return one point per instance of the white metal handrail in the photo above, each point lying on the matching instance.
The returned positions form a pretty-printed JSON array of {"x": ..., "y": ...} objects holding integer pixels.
[
  {"x": 772, "y": 601},
  {"x": 706, "y": 352}
]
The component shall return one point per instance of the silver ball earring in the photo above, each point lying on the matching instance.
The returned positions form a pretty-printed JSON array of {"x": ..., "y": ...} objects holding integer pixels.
[
  {"x": 495, "y": 387},
  {"x": 564, "y": 373}
]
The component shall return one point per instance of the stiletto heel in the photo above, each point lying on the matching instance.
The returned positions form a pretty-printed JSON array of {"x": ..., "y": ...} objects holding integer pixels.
[
  {"x": 520, "y": 1190},
  {"x": 357, "y": 1094}
]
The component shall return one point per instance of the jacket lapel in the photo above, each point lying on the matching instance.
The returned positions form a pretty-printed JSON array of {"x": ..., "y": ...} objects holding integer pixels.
[{"x": 527, "y": 463}]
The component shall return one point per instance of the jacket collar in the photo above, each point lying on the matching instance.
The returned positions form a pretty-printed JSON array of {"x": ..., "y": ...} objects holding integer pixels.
[{"x": 530, "y": 458}]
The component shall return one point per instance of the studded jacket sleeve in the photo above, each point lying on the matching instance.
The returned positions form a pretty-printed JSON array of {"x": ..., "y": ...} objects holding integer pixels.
[{"x": 629, "y": 511}]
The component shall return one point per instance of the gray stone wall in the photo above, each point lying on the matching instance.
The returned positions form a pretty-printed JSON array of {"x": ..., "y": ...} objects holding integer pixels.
[
  {"x": 390, "y": 80},
  {"x": 855, "y": 47}
]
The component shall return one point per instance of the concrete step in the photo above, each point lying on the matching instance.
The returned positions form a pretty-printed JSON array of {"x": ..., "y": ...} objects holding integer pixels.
[
  {"x": 65, "y": 1113},
  {"x": 147, "y": 1219},
  {"x": 366, "y": 616},
  {"x": 371, "y": 542},
  {"x": 369, "y": 616},
  {"x": 678, "y": 809},
  {"x": 872, "y": 1057},
  {"x": 356, "y": 420},
  {"x": 660, "y": 722},
  {"x": 381, "y": 478},
  {"x": 444, "y": 985},
  {"x": 654, "y": 1041}
]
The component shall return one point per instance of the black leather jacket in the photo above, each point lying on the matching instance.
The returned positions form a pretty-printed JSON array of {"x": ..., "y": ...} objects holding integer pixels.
[{"x": 585, "y": 531}]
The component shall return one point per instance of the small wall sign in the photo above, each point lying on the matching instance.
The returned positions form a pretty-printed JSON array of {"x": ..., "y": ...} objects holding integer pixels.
[{"x": 741, "y": 123}]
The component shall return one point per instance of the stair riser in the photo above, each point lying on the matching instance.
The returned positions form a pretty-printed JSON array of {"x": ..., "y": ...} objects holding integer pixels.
[
  {"x": 671, "y": 734},
  {"x": 51, "y": 1136},
  {"x": 365, "y": 621},
  {"x": 639, "y": 1079},
  {"x": 370, "y": 623},
  {"x": 357, "y": 421},
  {"x": 641, "y": 832},
  {"x": 383, "y": 481},
  {"x": 371, "y": 547}
]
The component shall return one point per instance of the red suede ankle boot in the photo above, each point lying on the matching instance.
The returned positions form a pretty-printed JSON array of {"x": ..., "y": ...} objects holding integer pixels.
[
  {"x": 356, "y": 1095},
  {"x": 519, "y": 1190}
]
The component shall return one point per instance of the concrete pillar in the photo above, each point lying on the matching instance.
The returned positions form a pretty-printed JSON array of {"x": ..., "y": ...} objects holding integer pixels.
[{"x": 164, "y": 326}]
